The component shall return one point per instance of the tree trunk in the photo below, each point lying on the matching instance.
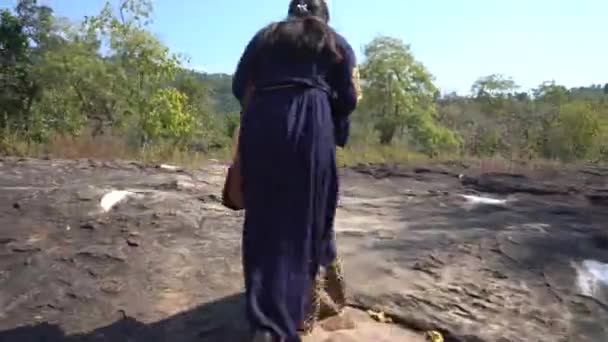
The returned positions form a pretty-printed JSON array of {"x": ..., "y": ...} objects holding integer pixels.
[{"x": 387, "y": 133}]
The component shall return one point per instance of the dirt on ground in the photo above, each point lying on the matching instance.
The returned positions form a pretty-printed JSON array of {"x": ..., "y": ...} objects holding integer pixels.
[{"x": 120, "y": 251}]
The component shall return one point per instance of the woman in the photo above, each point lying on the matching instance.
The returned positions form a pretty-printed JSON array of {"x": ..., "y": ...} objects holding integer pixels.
[{"x": 301, "y": 73}]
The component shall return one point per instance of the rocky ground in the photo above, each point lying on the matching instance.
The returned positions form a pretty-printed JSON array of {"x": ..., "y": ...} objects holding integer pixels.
[{"x": 479, "y": 257}]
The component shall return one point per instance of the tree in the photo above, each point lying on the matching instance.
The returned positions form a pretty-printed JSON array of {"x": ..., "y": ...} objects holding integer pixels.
[
  {"x": 495, "y": 85},
  {"x": 497, "y": 99},
  {"x": 549, "y": 98},
  {"x": 78, "y": 87},
  {"x": 17, "y": 88},
  {"x": 168, "y": 117},
  {"x": 399, "y": 94},
  {"x": 141, "y": 68},
  {"x": 573, "y": 136},
  {"x": 494, "y": 93},
  {"x": 110, "y": 75},
  {"x": 36, "y": 20},
  {"x": 26, "y": 36}
]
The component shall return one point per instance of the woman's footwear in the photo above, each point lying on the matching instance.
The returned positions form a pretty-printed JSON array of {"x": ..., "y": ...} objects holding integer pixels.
[
  {"x": 334, "y": 284},
  {"x": 308, "y": 323}
]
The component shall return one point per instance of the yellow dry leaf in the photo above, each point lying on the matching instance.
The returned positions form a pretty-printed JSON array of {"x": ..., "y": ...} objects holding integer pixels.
[
  {"x": 433, "y": 336},
  {"x": 379, "y": 316}
]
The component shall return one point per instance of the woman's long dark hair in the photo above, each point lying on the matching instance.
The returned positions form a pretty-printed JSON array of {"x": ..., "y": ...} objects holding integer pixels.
[{"x": 305, "y": 31}]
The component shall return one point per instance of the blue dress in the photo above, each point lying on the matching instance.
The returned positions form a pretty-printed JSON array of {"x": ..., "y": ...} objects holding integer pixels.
[{"x": 296, "y": 116}]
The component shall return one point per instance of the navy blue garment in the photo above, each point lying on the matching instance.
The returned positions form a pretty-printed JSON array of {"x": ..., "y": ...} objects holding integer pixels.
[{"x": 288, "y": 154}]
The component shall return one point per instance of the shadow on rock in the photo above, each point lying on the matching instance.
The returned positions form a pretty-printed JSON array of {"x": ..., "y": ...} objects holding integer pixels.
[{"x": 219, "y": 321}]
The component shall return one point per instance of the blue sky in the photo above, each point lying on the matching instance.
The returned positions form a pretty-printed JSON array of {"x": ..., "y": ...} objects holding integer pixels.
[{"x": 530, "y": 40}]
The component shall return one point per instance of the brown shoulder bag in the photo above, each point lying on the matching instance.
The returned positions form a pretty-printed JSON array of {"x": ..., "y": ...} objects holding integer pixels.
[{"x": 232, "y": 193}]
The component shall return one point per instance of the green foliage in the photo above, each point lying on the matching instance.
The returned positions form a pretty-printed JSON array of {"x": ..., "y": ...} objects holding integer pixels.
[
  {"x": 167, "y": 116},
  {"x": 552, "y": 122},
  {"x": 109, "y": 76},
  {"x": 573, "y": 135},
  {"x": 399, "y": 96},
  {"x": 494, "y": 86},
  {"x": 232, "y": 121},
  {"x": 17, "y": 90},
  {"x": 136, "y": 88},
  {"x": 220, "y": 91},
  {"x": 141, "y": 66}
]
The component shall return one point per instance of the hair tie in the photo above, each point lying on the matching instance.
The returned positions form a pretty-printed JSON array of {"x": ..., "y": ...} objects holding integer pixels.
[{"x": 302, "y": 7}]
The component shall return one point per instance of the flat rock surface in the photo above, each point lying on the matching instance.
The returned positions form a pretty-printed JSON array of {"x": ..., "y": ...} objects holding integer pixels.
[{"x": 119, "y": 251}]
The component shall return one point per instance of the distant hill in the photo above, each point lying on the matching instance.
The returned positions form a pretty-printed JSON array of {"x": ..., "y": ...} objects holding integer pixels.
[{"x": 220, "y": 88}]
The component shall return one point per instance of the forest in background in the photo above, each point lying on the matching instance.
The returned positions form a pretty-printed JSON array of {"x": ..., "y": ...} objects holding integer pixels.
[{"x": 108, "y": 87}]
